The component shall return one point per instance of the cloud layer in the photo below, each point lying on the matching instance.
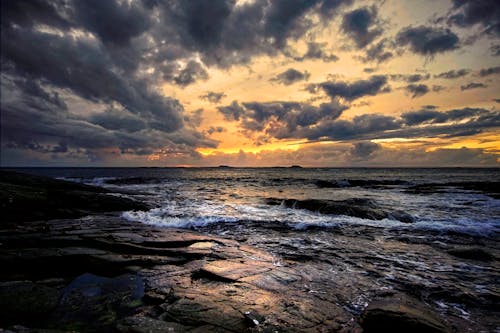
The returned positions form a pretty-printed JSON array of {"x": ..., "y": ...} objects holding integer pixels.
[{"x": 96, "y": 81}]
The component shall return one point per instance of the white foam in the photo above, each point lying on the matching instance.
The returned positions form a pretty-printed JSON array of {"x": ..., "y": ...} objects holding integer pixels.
[
  {"x": 186, "y": 206},
  {"x": 152, "y": 218}
]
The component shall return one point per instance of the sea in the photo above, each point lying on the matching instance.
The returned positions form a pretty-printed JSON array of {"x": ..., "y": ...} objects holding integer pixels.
[
  {"x": 432, "y": 233},
  {"x": 195, "y": 198}
]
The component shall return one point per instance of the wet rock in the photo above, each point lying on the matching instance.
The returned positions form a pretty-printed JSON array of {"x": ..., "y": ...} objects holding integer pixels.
[
  {"x": 233, "y": 270},
  {"x": 159, "y": 296},
  {"x": 472, "y": 254},
  {"x": 400, "y": 313},
  {"x": 401, "y": 216},
  {"x": 149, "y": 325},
  {"x": 357, "y": 207},
  {"x": 253, "y": 318},
  {"x": 208, "y": 312},
  {"x": 50, "y": 198},
  {"x": 26, "y": 302},
  {"x": 24, "y": 329},
  {"x": 92, "y": 302}
]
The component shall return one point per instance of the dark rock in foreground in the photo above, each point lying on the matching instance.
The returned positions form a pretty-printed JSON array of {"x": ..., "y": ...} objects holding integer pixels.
[
  {"x": 400, "y": 313},
  {"x": 28, "y": 198},
  {"x": 103, "y": 274},
  {"x": 471, "y": 253},
  {"x": 357, "y": 207}
]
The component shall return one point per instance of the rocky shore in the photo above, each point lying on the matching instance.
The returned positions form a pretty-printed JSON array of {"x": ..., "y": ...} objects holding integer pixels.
[{"x": 96, "y": 272}]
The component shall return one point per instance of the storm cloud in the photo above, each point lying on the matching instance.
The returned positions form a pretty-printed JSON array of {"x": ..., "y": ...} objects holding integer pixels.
[
  {"x": 417, "y": 90},
  {"x": 316, "y": 51},
  {"x": 350, "y": 91},
  {"x": 291, "y": 76},
  {"x": 284, "y": 120},
  {"x": 427, "y": 41},
  {"x": 378, "y": 52},
  {"x": 453, "y": 74},
  {"x": 94, "y": 80},
  {"x": 473, "y": 85},
  {"x": 362, "y": 25},
  {"x": 213, "y": 97},
  {"x": 486, "y": 13},
  {"x": 489, "y": 71},
  {"x": 281, "y": 119}
]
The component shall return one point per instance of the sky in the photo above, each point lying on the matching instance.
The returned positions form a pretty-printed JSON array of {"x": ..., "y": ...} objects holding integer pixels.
[{"x": 316, "y": 83}]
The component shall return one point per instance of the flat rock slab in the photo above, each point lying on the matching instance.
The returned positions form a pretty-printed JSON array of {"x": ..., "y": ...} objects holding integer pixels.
[
  {"x": 401, "y": 313},
  {"x": 149, "y": 325},
  {"x": 113, "y": 274},
  {"x": 236, "y": 270}
]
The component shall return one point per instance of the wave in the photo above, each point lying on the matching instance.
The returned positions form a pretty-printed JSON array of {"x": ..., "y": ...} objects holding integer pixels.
[
  {"x": 202, "y": 214},
  {"x": 356, "y": 207}
]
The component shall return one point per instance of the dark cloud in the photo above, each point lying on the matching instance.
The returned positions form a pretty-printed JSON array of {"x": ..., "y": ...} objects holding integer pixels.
[
  {"x": 350, "y": 91},
  {"x": 215, "y": 129},
  {"x": 489, "y": 71},
  {"x": 29, "y": 13},
  {"x": 329, "y": 8},
  {"x": 361, "y": 127},
  {"x": 281, "y": 119},
  {"x": 41, "y": 123},
  {"x": 486, "y": 13},
  {"x": 495, "y": 50},
  {"x": 497, "y": 100},
  {"x": 111, "y": 55},
  {"x": 437, "y": 88},
  {"x": 410, "y": 78},
  {"x": 232, "y": 112},
  {"x": 378, "y": 52},
  {"x": 427, "y": 41},
  {"x": 113, "y": 22},
  {"x": 83, "y": 78},
  {"x": 84, "y": 67},
  {"x": 213, "y": 97},
  {"x": 118, "y": 120},
  {"x": 432, "y": 116},
  {"x": 316, "y": 51},
  {"x": 284, "y": 120},
  {"x": 453, "y": 74},
  {"x": 194, "y": 118},
  {"x": 224, "y": 32},
  {"x": 454, "y": 123},
  {"x": 362, "y": 25},
  {"x": 291, "y": 76},
  {"x": 364, "y": 149},
  {"x": 417, "y": 90},
  {"x": 193, "y": 72},
  {"x": 473, "y": 85}
]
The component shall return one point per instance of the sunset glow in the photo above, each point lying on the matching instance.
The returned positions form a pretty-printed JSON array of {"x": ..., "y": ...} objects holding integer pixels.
[{"x": 200, "y": 83}]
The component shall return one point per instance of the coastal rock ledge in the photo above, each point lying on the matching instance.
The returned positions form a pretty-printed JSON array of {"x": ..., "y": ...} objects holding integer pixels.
[{"x": 102, "y": 273}]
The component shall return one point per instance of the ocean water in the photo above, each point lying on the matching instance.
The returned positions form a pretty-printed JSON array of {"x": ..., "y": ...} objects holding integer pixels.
[
  {"x": 199, "y": 197},
  {"x": 356, "y": 233}
]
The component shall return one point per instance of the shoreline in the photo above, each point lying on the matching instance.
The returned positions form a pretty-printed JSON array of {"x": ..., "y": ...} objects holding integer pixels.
[{"x": 102, "y": 273}]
